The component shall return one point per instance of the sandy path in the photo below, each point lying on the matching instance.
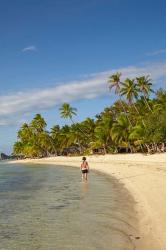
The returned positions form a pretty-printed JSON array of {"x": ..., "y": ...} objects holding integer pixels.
[{"x": 145, "y": 178}]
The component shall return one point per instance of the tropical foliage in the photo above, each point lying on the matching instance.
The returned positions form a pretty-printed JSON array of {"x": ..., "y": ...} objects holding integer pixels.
[{"x": 134, "y": 123}]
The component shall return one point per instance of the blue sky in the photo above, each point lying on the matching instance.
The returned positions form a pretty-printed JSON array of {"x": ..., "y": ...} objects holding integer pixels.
[{"x": 53, "y": 51}]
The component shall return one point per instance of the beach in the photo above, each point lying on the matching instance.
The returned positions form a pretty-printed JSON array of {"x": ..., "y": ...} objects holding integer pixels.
[{"x": 144, "y": 176}]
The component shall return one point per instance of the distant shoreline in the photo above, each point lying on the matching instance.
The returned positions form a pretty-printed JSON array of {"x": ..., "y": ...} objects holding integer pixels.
[{"x": 144, "y": 177}]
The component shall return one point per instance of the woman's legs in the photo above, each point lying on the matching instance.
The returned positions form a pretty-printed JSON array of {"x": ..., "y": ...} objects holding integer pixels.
[{"x": 82, "y": 176}]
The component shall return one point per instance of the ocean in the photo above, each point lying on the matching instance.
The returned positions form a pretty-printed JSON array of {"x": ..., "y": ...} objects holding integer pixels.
[{"x": 49, "y": 208}]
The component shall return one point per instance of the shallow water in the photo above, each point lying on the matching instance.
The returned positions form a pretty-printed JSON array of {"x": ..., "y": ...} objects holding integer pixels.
[{"x": 49, "y": 208}]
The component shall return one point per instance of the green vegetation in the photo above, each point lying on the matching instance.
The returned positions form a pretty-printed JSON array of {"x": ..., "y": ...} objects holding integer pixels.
[{"x": 134, "y": 123}]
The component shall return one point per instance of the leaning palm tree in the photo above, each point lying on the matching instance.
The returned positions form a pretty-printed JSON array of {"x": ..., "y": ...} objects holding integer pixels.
[{"x": 144, "y": 86}]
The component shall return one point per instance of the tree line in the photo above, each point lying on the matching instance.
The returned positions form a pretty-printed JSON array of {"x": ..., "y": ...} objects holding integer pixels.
[{"x": 133, "y": 123}]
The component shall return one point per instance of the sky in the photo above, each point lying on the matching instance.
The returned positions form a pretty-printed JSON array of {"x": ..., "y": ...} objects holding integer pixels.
[{"x": 56, "y": 51}]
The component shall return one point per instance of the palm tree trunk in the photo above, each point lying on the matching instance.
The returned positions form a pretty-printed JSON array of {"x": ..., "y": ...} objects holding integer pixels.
[
  {"x": 139, "y": 114},
  {"x": 136, "y": 109},
  {"x": 148, "y": 148},
  {"x": 163, "y": 147},
  {"x": 130, "y": 147},
  {"x": 79, "y": 128},
  {"x": 147, "y": 104},
  {"x": 51, "y": 141},
  {"x": 124, "y": 110},
  {"x": 105, "y": 151}
]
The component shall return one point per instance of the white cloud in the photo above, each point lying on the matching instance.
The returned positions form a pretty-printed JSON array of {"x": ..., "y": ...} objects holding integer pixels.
[
  {"x": 92, "y": 86},
  {"x": 29, "y": 48},
  {"x": 7, "y": 121},
  {"x": 157, "y": 52}
]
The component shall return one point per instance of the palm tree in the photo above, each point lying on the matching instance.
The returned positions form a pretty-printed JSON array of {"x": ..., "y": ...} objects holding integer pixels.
[
  {"x": 55, "y": 137},
  {"x": 137, "y": 135},
  {"x": 55, "y": 131},
  {"x": 46, "y": 142},
  {"x": 88, "y": 125},
  {"x": 24, "y": 133},
  {"x": 64, "y": 136},
  {"x": 38, "y": 126},
  {"x": 103, "y": 132},
  {"x": 130, "y": 90},
  {"x": 66, "y": 111},
  {"x": 38, "y": 123},
  {"x": 18, "y": 148},
  {"x": 144, "y": 86},
  {"x": 120, "y": 131},
  {"x": 76, "y": 137},
  {"x": 115, "y": 82}
]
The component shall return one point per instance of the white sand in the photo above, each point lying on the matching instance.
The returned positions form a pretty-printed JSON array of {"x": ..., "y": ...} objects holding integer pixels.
[{"x": 145, "y": 178}]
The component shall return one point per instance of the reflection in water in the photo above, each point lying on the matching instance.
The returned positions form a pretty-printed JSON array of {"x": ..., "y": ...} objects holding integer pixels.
[
  {"x": 49, "y": 208},
  {"x": 84, "y": 188}
]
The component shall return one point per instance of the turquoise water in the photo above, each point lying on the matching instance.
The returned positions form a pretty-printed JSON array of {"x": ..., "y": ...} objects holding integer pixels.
[{"x": 49, "y": 208}]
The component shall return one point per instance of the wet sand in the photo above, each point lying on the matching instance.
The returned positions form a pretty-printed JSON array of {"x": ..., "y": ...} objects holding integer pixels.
[{"x": 145, "y": 178}]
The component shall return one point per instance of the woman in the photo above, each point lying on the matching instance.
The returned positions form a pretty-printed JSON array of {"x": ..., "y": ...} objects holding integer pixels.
[{"x": 84, "y": 169}]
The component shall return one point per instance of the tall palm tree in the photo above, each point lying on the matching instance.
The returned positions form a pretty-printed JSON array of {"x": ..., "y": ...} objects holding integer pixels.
[
  {"x": 130, "y": 90},
  {"x": 66, "y": 111},
  {"x": 115, "y": 82},
  {"x": 144, "y": 86}
]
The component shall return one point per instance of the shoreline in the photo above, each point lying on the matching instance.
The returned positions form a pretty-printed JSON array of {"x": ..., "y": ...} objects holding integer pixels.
[{"x": 144, "y": 176}]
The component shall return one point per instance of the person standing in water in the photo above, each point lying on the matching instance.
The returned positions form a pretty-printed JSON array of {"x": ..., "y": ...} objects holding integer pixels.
[{"x": 84, "y": 169}]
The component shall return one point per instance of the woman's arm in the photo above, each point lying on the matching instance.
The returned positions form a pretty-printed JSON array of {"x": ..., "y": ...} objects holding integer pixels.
[{"x": 87, "y": 165}]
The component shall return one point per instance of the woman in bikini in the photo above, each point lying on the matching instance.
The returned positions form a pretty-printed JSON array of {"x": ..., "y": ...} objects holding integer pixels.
[{"x": 84, "y": 169}]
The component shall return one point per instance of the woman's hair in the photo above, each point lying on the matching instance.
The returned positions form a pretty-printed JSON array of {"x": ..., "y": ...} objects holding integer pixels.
[{"x": 84, "y": 158}]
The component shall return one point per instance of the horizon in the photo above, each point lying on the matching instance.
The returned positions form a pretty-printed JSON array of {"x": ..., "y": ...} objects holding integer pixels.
[{"x": 54, "y": 52}]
